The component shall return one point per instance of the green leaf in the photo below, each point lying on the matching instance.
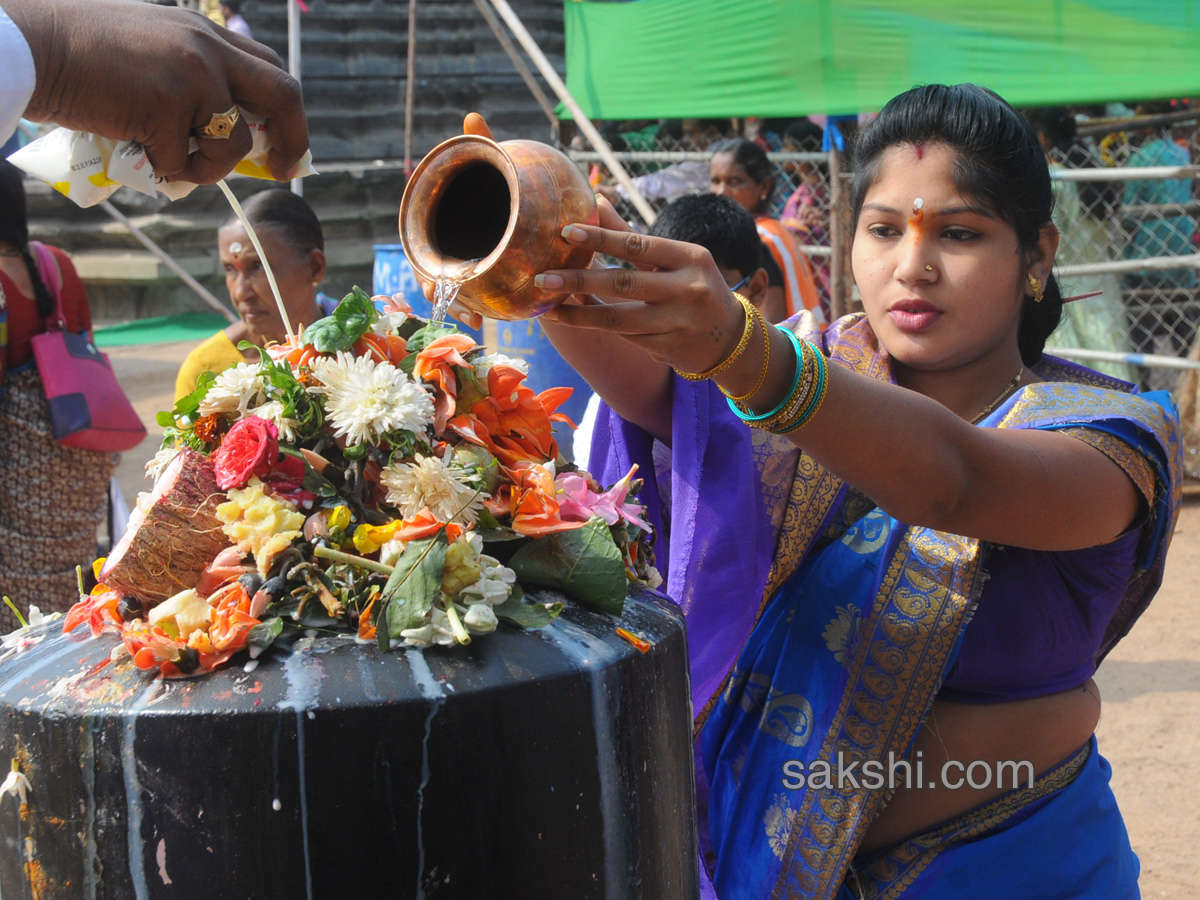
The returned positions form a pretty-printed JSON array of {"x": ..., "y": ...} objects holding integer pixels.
[
  {"x": 264, "y": 633},
  {"x": 345, "y": 325},
  {"x": 187, "y": 405},
  {"x": 328, "y": 336},
  {"x": 423, "y": 337},
  {"x": 413, "y": 586},
  {"x": 518, "y": 612},
  {"x": 583, "y": 563}
]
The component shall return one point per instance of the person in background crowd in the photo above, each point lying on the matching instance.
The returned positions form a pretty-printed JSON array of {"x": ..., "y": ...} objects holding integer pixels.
[
  {"x": 739, "y": 169},
  {"x": 680, "y": 178},
  {"x": 724, "y": 229},
  {"x": 1155, "y": 324},
  {"x": 295, "y": 246},
  {"x": 54, "y": 497},
  {"x": 1087, "y": 232},
  {"x": 231, "y": 10},
  {"x": 919, "y": 552},
  {"x": 151, "y": 74},
  {"x": 806, "y": 211}
]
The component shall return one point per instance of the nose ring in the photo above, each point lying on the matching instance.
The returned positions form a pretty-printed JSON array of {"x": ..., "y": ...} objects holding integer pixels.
[{"x": 928, "y": 268}]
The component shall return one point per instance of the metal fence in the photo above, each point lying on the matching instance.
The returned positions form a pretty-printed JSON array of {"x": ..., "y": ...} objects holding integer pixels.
[{"x": 1127, "y": 230}]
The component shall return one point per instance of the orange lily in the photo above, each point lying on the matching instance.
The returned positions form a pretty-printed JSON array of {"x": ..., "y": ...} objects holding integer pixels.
[
  {"x": 98, "y": 609},
  {"x": 433, "y": 365},
  {"x": 423, "y": 524},
  {"x": 530, "y": 500},
  {"x": 512, "y": 422},
  {"x": 389, "y": 348},
  {"x": 367, "y": 631}
]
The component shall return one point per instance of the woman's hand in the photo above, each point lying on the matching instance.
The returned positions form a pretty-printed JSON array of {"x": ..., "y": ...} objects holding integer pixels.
[
  {"x": 674, "y": 304},
  {"x": 154, "y": 74}
]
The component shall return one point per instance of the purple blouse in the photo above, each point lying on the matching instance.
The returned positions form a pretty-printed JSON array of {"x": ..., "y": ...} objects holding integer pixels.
[{"x": 1040, "y": 621}]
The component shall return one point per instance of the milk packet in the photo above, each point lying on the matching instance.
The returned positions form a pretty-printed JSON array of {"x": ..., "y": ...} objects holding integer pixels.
[{"x": 89, "y": 169}]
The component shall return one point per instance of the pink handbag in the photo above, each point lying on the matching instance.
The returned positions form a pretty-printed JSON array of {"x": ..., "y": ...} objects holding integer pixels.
[{"x": 88, "y": 407}]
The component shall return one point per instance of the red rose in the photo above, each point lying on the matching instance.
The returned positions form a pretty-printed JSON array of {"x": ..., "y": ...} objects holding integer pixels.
[
  {"x": 250, "y": 448},
  {"x": 286, "y": 479}
]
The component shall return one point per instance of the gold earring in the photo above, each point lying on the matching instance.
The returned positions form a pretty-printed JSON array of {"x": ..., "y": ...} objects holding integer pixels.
[{"x": 1035, "y": 286}]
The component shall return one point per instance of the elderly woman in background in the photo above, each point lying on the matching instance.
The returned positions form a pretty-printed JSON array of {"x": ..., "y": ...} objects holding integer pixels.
[
  {"x": 291, "y": 237},
  {"x": 739, "y": 169},
  {"x": 53, "y": 498}
]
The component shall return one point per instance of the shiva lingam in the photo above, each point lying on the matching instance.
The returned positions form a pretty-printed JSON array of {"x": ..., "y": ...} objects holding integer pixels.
[
  {"x": 536, "y": 764},
  {"x": 487, "y": 216}
]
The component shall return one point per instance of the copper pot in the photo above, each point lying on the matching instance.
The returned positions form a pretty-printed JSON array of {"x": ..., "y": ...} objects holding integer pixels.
[{"x": 489, "y": 216}]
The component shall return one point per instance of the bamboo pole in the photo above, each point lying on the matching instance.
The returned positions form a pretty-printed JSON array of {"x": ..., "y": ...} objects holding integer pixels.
[
  {"x": 585, "y": 124},
  {"x": 293, "y": 22},
  {"x": 408, "y": 87},
  {"x": 523, "y": 70},
  {"x": 169, "y": 261}
]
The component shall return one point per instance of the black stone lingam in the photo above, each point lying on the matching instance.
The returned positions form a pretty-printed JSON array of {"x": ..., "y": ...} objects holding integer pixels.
[{"x": 541, "y": 764}]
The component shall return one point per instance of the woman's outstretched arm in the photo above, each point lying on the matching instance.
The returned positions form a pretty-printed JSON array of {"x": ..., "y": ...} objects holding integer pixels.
[{"x": 918, "y": 460}]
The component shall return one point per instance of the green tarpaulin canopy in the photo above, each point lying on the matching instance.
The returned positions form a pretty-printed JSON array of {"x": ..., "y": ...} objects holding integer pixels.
[{"x": 693, "y": 58}]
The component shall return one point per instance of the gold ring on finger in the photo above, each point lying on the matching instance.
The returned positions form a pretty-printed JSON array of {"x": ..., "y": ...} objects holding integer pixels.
[{"x": 220, "y": 126}]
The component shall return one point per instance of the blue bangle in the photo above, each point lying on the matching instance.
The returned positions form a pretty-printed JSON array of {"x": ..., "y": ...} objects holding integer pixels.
[
  {"x": 817, "y": 398},
  {"x": 751, "y": 417}
]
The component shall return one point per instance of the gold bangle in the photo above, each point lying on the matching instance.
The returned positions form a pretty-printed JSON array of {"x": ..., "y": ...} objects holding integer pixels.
[
  {"x": 762, "y": 373},
  {"x": 801, "y": 396},
  {"x": 811, "y": 409},
  {"x": 720, "y": 367}
]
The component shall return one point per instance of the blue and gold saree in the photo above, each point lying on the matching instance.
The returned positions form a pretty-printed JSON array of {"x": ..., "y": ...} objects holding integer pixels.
[{"x": 830, "y": 656}]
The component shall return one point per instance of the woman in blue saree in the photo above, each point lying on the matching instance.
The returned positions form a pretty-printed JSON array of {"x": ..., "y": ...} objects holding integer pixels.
[{"x": 899, "y": 582}]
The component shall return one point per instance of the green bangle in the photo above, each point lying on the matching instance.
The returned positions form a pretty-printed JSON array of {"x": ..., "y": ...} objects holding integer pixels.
[
  {"x": 751, "y": 417},
  {"x": 814, "y": 404}
]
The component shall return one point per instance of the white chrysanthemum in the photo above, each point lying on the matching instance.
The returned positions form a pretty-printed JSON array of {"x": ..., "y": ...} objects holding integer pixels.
[
  {"x": 159, "y": 462},
  {"x": 272, "y": 411},
  {"x": 483, "y": 364},
  {"x": 452, "y": 493},
  {"x": 234, "y": 390},
  {"x": 366, "y": 400}
]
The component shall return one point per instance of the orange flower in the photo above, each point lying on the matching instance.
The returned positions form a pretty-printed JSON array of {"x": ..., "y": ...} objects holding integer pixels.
[
  {"x": 433, "y": 365},
  {"x": 98, "y": 609},
  {"x": 207, "y": 428},
  {"x": 293, "y": 352},
  {"x": 423, "y": 524},
  {"x": 530, "y": 500},
  {"x": 512, "y": 422},
  {"x": 382, "y": 348}
]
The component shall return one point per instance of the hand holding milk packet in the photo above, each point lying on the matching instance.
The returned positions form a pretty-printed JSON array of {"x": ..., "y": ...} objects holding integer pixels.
[{"x": 89, "y": 169}]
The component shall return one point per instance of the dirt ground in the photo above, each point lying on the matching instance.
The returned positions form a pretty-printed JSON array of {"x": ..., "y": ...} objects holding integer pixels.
[{"x": 1150, "y": 727}]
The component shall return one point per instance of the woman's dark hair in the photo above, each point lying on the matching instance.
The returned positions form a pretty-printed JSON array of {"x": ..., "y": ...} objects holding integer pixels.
[
  {"x": 14, "y": 229},
  {"x": 753, "y": 159},
  {"x": 718, "y": 224},
  {"x": 286, "y": 215},
  {"x": 805, "y": 135},
  {"x": 1000, "y": 165}
]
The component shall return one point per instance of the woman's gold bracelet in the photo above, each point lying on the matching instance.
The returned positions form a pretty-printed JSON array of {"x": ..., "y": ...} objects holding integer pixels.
[
  {"x": 720, "y": 367},
  {"x": 762, "y": 373}
]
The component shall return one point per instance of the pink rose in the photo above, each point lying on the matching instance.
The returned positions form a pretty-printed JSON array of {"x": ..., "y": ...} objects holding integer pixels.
[{"x": 250, "y": 448}]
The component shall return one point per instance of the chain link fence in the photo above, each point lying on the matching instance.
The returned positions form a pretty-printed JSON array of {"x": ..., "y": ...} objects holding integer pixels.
[{"x": 1126, "y": 205}]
